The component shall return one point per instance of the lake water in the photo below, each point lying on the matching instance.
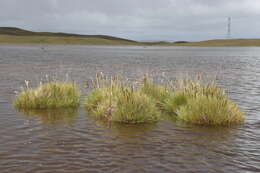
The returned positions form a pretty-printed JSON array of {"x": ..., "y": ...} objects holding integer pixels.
[{"x": 71, "y": 141}]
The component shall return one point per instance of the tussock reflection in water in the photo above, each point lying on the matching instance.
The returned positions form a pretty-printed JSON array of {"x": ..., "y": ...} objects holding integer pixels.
[
  {"x": 125, "y": 129},
  {"x": 52, "y": 116}
]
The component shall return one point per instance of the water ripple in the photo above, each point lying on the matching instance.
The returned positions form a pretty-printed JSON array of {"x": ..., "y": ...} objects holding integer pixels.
[{"x": 43, "y": 142}]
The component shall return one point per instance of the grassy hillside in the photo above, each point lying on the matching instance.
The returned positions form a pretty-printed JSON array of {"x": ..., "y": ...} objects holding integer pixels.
[
  {"x": 10, "y": 39},
  {"x": 10, "y": 35},
  {"x": 226, "y": 43},
  {"x": 19, "y": 36}
]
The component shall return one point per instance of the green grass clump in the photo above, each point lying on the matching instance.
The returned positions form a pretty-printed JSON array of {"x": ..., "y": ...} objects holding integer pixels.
[
  {"x": 155, "y": 91},
  {"x": 134, "y": 107},
  {"x": 120, "y": 103},
  {"x": 174, "y": 101},
  {"x": 210, "y": 110},
  {"x": 190, "y": 101},
  {"x": 192, "y": 88},
  {"x": 100, "y": 102},
  {"x": 183, "y": 90},
  {"x": 49, "y": 95},
  {"x": 204, "y": 104}
]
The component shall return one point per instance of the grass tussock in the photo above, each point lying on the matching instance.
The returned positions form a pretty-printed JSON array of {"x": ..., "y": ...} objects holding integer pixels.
[
  {"x": 196, "y": 102},
  {"x": 115, "y": 101},
  {"x": 174, "y": 101},
  {"x": 183, "y": 90},
  {"x": 192, "y": 101},
  {"x": 210, "y": 110},
  {"x": 49, "y": 95},
  {"x": 158, "y": 92},
  {"x": 194, "y": 88}
]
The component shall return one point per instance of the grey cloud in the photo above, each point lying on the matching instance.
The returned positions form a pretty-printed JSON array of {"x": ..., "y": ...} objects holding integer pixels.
[{"x": 136, "y": 19}]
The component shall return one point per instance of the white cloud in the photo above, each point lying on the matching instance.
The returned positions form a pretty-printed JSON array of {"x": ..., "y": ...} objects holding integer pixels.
[{"x": 136, "y": 19}]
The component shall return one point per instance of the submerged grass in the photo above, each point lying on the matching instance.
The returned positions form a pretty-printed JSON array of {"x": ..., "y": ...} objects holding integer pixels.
[
  {"x": 115, "y": 101},
  {"x": 49, "y": 95}
]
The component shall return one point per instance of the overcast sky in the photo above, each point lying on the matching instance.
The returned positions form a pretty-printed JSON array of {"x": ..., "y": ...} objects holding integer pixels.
[{"x": 148, "y": 20}]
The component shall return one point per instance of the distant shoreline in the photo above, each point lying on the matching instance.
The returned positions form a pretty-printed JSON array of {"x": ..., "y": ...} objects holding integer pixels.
[
  {"x": 45, "y": 41},
  {"x": 16, "y": 36}
]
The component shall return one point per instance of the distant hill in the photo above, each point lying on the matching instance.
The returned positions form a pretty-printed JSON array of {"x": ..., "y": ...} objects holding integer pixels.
[
  {"x": 222, "y": 43},
  {"x": 12, "y": 31},
  {"x": 12, "y": 35}
]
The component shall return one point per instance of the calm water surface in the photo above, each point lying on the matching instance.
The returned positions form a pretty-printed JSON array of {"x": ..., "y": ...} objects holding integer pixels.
[{"x": 70, "y": 141}]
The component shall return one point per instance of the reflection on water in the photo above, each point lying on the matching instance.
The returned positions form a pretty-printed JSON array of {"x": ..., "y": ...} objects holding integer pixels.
[
  {"x": 52, "y": 116},
  {"x": 126, "y": 131},
  {"x": 71, "y": 141}
]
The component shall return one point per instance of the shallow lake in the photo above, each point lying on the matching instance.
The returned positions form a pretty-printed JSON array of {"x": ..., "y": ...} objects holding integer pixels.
[{"x": 72, "y": 141}]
